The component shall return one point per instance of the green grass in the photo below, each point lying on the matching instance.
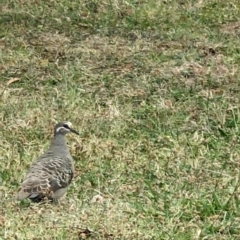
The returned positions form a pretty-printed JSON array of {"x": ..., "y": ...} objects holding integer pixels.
[{"x": 153, "y": 87}]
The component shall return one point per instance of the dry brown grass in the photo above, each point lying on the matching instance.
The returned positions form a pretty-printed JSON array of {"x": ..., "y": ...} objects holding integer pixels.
[{"x": 153, "y": 87}]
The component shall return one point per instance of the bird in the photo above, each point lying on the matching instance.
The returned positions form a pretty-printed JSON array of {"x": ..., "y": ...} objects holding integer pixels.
[{"x": 52, "y": 172}]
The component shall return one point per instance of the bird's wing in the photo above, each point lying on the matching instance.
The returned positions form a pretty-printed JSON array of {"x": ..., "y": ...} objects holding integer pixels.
[{"x": 46, "y": 177}]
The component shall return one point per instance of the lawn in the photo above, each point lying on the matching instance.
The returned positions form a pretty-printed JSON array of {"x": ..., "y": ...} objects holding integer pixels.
[{"x": 153, "y": 87}]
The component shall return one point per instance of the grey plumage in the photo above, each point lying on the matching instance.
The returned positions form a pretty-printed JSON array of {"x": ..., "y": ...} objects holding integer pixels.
[{"x": 50, "y": 175}]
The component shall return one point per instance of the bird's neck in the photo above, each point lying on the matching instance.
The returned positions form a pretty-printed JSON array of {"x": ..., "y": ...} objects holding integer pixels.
[{"x": 58, "y": 142}]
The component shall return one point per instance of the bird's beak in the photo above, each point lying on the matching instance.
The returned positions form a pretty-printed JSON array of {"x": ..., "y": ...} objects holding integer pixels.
[{"x": 74, "y": 131}]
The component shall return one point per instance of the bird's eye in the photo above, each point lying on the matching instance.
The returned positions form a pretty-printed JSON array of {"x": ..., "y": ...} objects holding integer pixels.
[{"x": 66, "y": 126}]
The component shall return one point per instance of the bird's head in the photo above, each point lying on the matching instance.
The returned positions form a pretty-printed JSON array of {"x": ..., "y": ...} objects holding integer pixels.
[{"x": 64, "y": 128}]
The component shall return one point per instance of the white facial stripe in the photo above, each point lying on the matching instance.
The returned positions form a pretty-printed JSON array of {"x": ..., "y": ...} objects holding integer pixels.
[
  {"x": 58, "y": 129},
  {"x": 69, "y": 124}
]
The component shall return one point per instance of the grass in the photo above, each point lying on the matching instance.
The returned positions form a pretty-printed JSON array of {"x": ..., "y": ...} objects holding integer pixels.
[{"x": 153, "y": 87}]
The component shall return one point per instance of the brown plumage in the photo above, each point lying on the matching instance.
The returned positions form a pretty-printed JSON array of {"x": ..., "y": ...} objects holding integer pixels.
[{"x": 50, "y": 175}]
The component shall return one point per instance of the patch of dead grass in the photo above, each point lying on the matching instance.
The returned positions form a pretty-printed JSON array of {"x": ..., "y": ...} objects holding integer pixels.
[{"x": 157, "y": 109}]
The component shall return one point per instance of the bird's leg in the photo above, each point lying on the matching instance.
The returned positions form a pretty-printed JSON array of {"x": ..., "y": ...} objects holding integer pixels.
[{"x": 55, "y": 201}]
